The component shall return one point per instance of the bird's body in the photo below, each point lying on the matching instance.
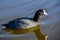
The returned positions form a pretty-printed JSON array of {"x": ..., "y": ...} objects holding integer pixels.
[{"x": 22, "y": 23}]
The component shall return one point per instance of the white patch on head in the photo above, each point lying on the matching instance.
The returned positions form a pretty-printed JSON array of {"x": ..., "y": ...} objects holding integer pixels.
[
  {"x": 45, "y": 12},
  {"x": 29, "y": 24}
]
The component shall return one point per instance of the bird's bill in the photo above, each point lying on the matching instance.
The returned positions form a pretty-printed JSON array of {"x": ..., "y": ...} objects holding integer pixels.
[{"x": 45, "y": 12}]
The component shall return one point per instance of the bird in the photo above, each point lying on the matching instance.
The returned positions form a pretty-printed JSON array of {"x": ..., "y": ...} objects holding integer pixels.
[{"x": 24, "y": 25}]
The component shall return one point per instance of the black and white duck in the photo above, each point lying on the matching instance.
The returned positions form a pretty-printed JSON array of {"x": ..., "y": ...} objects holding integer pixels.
[{"x": 25, "y": 23}]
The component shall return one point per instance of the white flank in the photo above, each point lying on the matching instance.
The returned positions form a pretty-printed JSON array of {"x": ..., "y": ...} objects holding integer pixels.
[{"x": 29, "y": 24}]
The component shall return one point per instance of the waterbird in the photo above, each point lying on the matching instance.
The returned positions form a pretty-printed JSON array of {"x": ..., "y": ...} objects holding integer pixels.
[{"x": 24, "y": 25}]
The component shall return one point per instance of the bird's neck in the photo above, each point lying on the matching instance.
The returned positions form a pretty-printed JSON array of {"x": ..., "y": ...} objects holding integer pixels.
[{"x": 36, "y": 17}]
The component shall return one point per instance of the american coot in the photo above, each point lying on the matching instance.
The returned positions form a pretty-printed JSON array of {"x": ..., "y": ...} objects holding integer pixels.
[{"x": 24, "y": 23}]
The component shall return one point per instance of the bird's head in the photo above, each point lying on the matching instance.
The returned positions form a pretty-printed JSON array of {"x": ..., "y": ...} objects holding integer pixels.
[
  {"x": 41, "y": 12},
  {"x": 38, "y": 14}
]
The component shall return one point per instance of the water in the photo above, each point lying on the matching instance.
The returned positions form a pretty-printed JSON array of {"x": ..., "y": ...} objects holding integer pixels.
[{"x": 50, "y": 25}]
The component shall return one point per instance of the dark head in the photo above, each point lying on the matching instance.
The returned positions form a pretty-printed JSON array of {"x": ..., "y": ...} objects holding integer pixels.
[{"x": 38, "y": 14}]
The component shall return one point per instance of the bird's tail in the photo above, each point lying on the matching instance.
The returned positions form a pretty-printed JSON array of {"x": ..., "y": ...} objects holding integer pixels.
[{"x": 4, "y": 25}]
